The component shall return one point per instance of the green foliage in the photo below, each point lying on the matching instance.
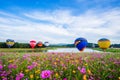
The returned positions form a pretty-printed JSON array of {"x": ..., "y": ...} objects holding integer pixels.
[
  {"x": 115, "y": 45},
  {"x": 3, "y": 45}
]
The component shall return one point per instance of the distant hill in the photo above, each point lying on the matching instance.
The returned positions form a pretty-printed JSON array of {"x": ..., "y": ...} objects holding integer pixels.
[{"x": 62, "y": 45}]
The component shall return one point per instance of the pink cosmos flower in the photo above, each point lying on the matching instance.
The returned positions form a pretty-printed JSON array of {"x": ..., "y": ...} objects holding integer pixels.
[
  {"x": 4, "y": 79},
  {"x": 30, "y": 67},
  {"x": 83, "y": 70},
  {"x": 78, "y": 68},
  {"x": 65, "y": 79},
  {"x": 1, "y": 66},
  {"x": 4, "y": 73},
  {"x": 19, "y": 76},
  {"x": 26, "y": 79},
  {"x": 10, "y": 66},
  {"x": 34, "y": 64},
  {"x": 46, "y": 74},
  {"x": 25, "y": 56}
]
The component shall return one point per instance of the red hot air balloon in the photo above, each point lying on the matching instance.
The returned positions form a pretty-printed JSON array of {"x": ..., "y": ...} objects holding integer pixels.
[{"x": 32, "y": 43}]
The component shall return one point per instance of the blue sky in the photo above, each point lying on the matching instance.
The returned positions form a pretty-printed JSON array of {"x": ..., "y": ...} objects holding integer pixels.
[{"x": 59, "y": 21}]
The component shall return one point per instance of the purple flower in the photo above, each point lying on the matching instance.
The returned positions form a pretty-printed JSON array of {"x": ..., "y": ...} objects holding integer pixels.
[
  {"x": 83, "y": 70},
  {"x": 91, "y": 78},
  {"x": 34, "y": 64},
  {"x": 65, "y": 79},
  {"x": 4, "y": 73},
  {"x": 26, "y": 79},
  {"x": 78, "y": 68},
  {"x": 26, "y": 56},
  {"x": 4, "y": 79},
  {"x": 19, "y": 76},
  {"x": 0, "y": 62},
  {"x": 30, "y": 67},
  {"x": 45, "y": 74},
  {"x": 1, "y": 66},
  {"x": 110, "y": 76},
  {"x": 10, "y": 66}
]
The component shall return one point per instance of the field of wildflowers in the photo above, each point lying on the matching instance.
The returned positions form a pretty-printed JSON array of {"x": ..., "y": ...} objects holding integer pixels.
[{"x": 59, "y": 66}]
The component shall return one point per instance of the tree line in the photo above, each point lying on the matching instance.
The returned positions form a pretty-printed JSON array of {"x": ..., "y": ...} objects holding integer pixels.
[
  {"x": 89, "y": 45},
  {"x": 18, "y": 45},
  {"x": 26, "y": 45}
]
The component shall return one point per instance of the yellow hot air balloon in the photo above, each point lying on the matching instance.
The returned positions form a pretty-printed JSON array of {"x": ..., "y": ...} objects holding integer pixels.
[
  {"x": 10, "y": 42},
  {"x": 104, "y": 43}
]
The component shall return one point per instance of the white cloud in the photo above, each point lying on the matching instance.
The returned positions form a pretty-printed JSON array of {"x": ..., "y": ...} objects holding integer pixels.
[
  {"x": 60, "y": 26},
  {"x": 58, "y": 16}
]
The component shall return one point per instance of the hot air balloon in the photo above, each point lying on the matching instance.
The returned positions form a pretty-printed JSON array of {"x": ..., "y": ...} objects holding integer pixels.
[
  {"x": 46, "y": 43},
  {"x": 104, "y": 43},
  {"x": 32, "y": 43},
  {"x": 80, "y": 43},
  {"x": 10, "y": 42},
  {"x": 40, "y": 44}
]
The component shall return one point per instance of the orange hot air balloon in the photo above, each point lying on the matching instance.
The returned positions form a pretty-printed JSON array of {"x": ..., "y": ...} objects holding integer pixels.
[
  {"x": 40, "y": 44},
  {"x": 32, "y": 43}
]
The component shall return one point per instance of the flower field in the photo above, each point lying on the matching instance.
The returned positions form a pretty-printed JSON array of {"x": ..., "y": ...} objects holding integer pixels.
[{"x": 59, "y": 66}]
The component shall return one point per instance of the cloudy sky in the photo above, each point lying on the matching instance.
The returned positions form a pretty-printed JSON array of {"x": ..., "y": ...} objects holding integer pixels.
[{"x": 59, "y": 21}]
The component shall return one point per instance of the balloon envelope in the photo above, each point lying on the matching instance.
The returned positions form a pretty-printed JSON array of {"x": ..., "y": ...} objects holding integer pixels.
[
  {"x": 32, "y": 43},
  {"x": 40, "y": 44},
  {"x": 46, "y": 43},
  {"x": 104, "y": 43},
  {"x": 80, "y": 43},
  {"x": 10, "y": 42}
]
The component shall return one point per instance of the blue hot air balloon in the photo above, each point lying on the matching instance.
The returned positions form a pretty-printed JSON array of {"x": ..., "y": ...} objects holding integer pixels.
[
  {"x": 80, "y": 43},
  {"x": 10, "y": 42}
]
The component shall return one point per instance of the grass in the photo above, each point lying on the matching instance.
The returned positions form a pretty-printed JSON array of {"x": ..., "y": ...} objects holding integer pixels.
[
  {"x": 25, "y": 49},
  {"x": 114, "y": 50}
]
